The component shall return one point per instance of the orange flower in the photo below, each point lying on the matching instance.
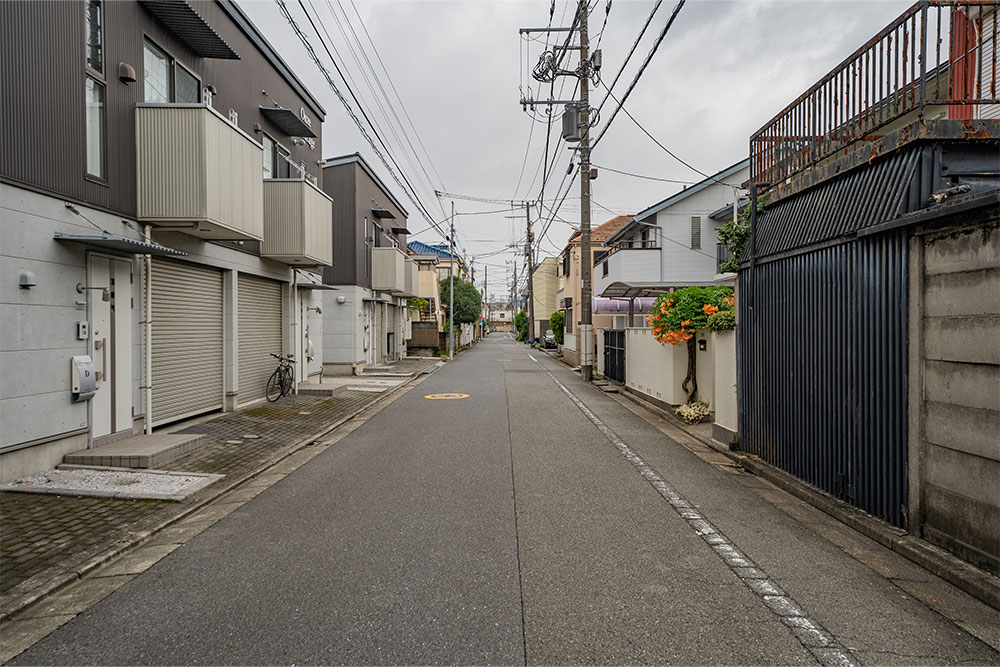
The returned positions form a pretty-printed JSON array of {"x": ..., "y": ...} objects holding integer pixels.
[
  {"x": 685, "y": 323},
  {"x": 709, "y": 309}
]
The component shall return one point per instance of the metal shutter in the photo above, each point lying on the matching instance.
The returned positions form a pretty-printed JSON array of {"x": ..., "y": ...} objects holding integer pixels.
[
  {"x": 187, "y": 340},
  {"x": 259, "y": 302}
]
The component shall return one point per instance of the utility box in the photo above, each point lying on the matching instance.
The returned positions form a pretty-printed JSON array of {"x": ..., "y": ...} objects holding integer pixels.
[
  {"x": 84, "y": 378},
  {"x": 571, "y": 123}
]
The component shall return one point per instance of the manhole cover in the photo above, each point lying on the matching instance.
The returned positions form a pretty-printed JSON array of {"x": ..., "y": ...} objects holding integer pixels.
[{"x": 440, "y": 397}]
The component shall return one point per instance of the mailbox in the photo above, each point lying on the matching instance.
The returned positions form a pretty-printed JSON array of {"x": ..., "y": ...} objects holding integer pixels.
[{"x": 84, "y": 378}]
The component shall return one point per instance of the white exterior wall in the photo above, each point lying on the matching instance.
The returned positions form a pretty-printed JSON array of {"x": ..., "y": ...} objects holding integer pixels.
[
  {"x": 38, "y": 326},
  {"x": 723, "y": 343},
  {"x": 344, "y": 333},
  {"x": 657, "y": 369}
]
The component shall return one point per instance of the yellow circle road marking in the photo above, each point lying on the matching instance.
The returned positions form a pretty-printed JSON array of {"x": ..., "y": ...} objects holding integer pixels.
[{"x": 440, "y": 397}]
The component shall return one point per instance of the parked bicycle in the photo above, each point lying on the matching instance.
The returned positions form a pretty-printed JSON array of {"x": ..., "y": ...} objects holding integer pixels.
[{"x": 282, "y": 380}]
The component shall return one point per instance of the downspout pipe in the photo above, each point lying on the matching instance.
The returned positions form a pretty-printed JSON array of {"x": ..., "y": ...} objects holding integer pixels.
[
  {"x": 148, "y": 361},
  {"x": 755, "y": 188}
]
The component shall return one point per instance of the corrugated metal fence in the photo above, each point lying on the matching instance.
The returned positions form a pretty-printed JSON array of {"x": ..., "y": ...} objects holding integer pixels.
[{"x": 822, "y": 369}]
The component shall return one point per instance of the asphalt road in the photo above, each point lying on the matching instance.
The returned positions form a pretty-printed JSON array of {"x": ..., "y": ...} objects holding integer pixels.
[{"x": 534, "y": 521}]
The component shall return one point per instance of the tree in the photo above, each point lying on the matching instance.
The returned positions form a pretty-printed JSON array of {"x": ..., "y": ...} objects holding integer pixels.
[
  {"x": 735, "y": 234},
  {"x": 676, "y": 318},
  {"x": 521, "y": 324},
  {"x": 557, "y": 325},
  {"x": 468, "y": 302}
]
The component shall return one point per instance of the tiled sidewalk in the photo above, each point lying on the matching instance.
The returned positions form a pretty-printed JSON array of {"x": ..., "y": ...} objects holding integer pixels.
[{"x": 46, "y": 540}]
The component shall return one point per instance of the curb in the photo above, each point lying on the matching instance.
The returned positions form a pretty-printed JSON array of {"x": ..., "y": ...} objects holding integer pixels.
[
  {"x": 976, "y": 582},
  {"x": 57, "y": 581}
]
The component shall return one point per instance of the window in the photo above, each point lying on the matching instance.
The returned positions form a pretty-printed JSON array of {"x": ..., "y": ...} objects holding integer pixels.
[
  {"x": 164, "y": 80},
  {"x": 94, "y": 118},
  {"x": 93, "y": 35},
  {"x": 695, "y": 232},
  {"x": 604, "y": 268},
  {"x": 568, "y": 320},
  {"x": 268, "y": 156}
]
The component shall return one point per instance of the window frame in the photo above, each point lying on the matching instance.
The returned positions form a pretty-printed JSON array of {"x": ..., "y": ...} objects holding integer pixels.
[
  {"x": 695, "y": 238},
  {"x": 97, "y": 73},
  {"x": 101, "y": 178},
  {"x": 172, "y": 64}
]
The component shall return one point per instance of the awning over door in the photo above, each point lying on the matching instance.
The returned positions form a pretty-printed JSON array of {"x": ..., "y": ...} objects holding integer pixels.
[{"x": 106, "y": 241}]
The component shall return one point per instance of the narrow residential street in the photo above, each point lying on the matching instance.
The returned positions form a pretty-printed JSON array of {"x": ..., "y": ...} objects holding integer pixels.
[{"x": 534, "y": 520}]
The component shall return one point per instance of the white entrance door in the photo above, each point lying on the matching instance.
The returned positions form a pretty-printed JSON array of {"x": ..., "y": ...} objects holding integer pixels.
[{"x": 110, "y": 343}]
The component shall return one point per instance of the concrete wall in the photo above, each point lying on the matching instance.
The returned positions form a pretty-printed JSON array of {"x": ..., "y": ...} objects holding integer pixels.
[
  {"x": 656, "y": 370},
  {"x": 955, "y": 389},
  {"x": 723, "y": 346}
]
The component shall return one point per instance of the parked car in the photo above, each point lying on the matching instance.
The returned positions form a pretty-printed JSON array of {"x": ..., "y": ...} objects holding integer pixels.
[{"x": 549, "y": 340}]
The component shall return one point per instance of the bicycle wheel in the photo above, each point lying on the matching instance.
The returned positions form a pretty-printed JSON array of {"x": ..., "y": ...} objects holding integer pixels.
[
  {"x": 275, "y": 386},
  {"x": 287, "y": 381}
]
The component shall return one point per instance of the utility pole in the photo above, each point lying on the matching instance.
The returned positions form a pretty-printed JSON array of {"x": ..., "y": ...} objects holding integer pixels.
[
  {"x": 548, "y": 68},
  {"x": 587, "y": 265},
  {"x": 451, "y": 287},
  {"x": 531, "y": 290}
]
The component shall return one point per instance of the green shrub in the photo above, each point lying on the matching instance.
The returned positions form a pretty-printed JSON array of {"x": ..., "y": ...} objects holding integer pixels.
[
  {"x": 521, "y": 324},
  {"x": 724, "y": 320},
  {"x": 557, "y": 324}
]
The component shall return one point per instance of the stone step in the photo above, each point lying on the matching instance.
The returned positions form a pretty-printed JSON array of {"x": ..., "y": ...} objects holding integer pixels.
[
  {"x": 142, "y": 451},
  {"x": 608, "y": 388}
]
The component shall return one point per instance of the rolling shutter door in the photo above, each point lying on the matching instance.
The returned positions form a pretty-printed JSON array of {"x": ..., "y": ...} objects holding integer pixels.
[
  {"x": 259, "y": 332},
  {"x": 187, "y": 340}
]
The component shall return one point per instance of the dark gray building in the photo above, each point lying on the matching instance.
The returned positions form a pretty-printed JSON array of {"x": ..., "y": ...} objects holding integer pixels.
[
  {"x": 159, "y": 164},
  {"x": 366, "y": 321}
]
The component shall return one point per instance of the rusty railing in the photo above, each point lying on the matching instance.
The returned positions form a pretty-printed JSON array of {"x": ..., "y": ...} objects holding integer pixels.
[{"x": 939, "y": 58}]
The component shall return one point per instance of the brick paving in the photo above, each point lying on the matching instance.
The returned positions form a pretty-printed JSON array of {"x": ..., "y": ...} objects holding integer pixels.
[{"x": 44, "y": 536}]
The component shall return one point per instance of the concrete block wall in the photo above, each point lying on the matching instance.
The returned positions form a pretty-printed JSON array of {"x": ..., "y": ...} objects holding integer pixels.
[{"x": 955, "y": 388}]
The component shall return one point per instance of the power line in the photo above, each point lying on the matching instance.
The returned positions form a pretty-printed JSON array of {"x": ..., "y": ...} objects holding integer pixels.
[
  {"x": 642, "y": 68},
  {"x": 648, "y": 178},
  {"x": 329, "y": 79}
]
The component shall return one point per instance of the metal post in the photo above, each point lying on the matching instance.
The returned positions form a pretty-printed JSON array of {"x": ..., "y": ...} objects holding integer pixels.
[
  {"x": 531, "y": 289},
  {"x": 451, "y": 286},
  {"x": 586, "y": 269}
]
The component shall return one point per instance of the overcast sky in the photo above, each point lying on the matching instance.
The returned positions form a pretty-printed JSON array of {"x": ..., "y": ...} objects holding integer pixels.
[{"x": 723, "y": 70}]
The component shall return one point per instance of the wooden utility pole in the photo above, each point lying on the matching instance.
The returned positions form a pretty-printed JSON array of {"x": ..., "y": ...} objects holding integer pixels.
[
  {"x": 531, "y": 289},
  {"x": 586, "y": 346}
]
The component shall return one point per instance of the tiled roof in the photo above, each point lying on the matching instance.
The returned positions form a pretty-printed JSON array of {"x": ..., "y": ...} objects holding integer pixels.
[
  {"x": 602, "y": 232},
  {"x": 421, "y": 248}
]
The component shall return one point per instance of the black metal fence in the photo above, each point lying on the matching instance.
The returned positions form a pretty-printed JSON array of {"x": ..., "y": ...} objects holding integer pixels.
[
  {"x": 822, "y": 368},
  {"x": 614, "y": 355}
]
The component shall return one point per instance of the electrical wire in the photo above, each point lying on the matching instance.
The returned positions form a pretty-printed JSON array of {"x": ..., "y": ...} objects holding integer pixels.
[
  {"x": 638, "y": 75},
  {"x": 648, "y": 178},
  {"x": 364, "y": 131}
]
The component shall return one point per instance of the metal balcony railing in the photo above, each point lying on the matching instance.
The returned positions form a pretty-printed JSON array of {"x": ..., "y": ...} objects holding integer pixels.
[
  {"x": 939, "y": 53},
  {"x": 722, "y": 255}
]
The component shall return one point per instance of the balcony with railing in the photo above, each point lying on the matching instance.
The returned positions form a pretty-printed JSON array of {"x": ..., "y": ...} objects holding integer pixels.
[
  {"x": 626, "y": 264},
  {"x": 389, "y": 270},
  {"x": 931, "y": 73},
  {"x": 411, "y": 278},
  {"x": 198, "y": 173},
  {"x": 722, "y": 255},
  {"x": 298, "y": 223}
]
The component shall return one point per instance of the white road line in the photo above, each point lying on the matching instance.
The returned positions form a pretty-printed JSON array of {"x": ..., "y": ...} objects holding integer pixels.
[{"x": 813, "y": 637}]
